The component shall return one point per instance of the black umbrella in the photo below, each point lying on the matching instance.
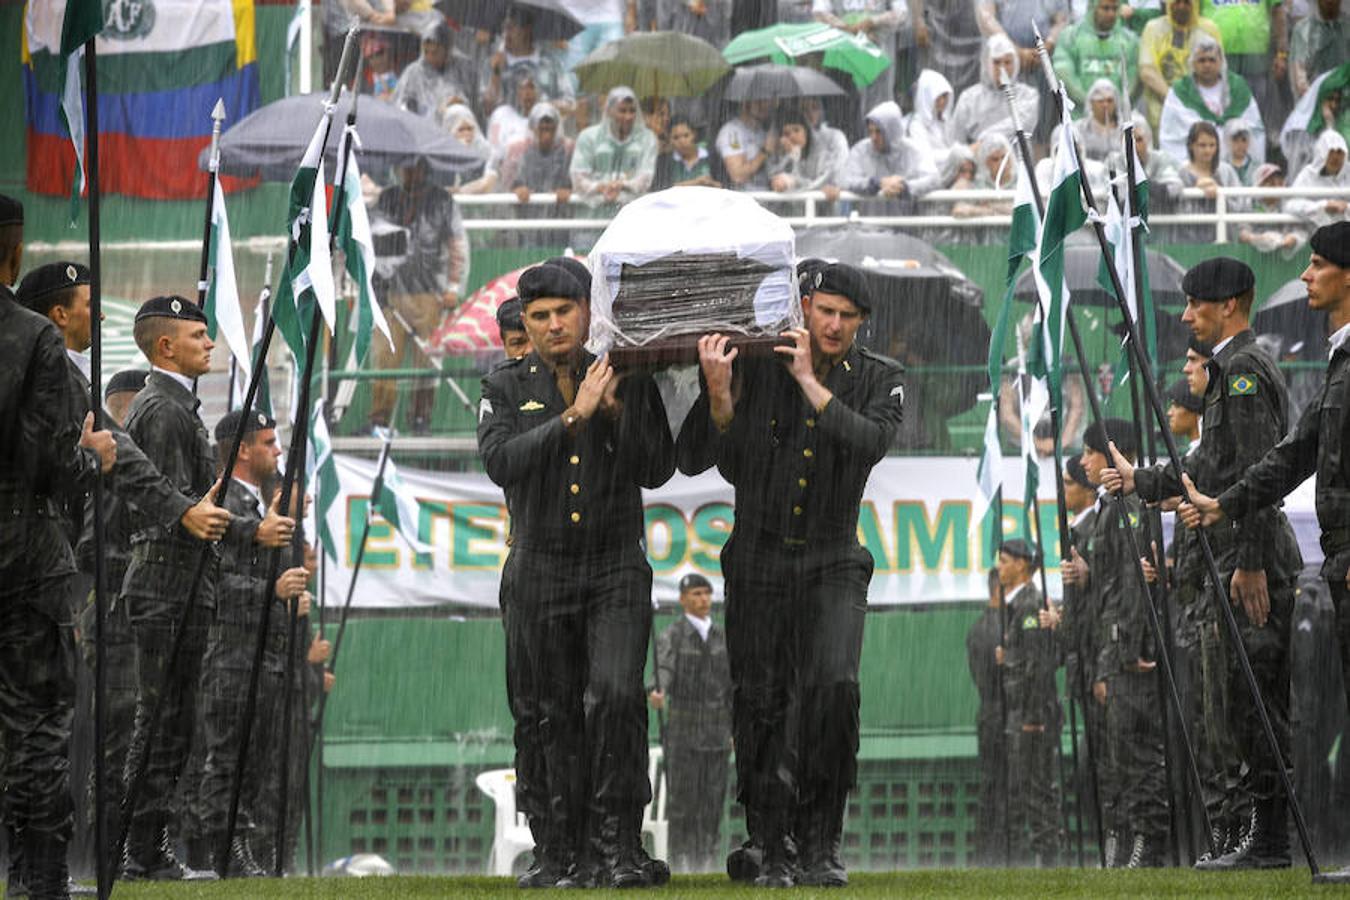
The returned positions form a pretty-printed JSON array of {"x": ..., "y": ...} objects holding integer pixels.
[
  {"x": 270, "y": 141},
  {"x": 1286, "y": 315},
  {"x": 552, "y": 20},
  {"x": 1082, "y": 261},
  {"x": 774, "y": 82},
  {"x": 925, "y": 312}
]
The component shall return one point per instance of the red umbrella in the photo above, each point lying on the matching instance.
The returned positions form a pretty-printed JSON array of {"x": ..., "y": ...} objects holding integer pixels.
[{"x": 474, "y": 326}]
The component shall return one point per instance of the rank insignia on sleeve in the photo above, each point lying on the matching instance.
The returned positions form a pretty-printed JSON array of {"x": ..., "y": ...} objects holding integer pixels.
[
  {"x": 484, "y": 408},
  {"x": 531, "y": 406},
  {"x": 1030, "y": 622},
  {"x": 1241, "y": 385}
]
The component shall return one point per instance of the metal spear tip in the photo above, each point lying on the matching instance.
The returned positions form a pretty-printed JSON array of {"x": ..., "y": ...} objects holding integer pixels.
[{"x": 218, "y": 111}]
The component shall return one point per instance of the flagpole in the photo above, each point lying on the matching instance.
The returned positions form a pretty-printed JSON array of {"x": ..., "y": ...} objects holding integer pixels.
[
  {"x": 213, "y": 167},
  {"x": 102, "y": 860},
  {"x": 294, "y": 474}
]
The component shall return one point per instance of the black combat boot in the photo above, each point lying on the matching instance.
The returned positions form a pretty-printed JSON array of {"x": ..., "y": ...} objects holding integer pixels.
[
  {"x": 150, "y": 858},
  {"x": 201, "y": 852},
  {"x": 1111, "y": 846},
  {"x": 45, "y": 875},
  {"x": 1266, "y": 845},
  {"x": 818, "y": 836},
  {"x": 243, "y": 864},
  {"x": 16, "y": 885},
  {"x": 594, "y": 862},
  {"x": 777, "y": 869},
  {"x": 744, "y": 862},
  {"x": 1340, "y": 876}
]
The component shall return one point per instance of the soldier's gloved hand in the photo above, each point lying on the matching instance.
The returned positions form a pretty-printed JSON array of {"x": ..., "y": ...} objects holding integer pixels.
[
  {"x": 101, "y": 442},
  {"x": 592, "y": 389},
  {"x": 319, "y": 651},
  {"x": 1202, "y": 511},
  {"x": 1120, "y": 478},
  {"x": 275, "y": 530},
  {"x": 204, "y": 520},
  {"x": 1248, "y": 587},
  {"x": 291, "y": 583}
]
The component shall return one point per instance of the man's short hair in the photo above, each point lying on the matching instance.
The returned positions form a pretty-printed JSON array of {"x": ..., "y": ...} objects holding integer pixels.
[{"x": 148, "y": 331}]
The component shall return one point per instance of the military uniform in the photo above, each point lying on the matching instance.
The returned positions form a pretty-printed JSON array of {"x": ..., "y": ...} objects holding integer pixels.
[
  {"x": 1031, "y": 656},
  {"x": 984, "y": 636},
  {"x": 40, "y": 463},
  {"x": 796, "y": 586},
  {"x": 695, "y": 676},
  {"x": 164, "y": 423},
  {"x": 1244, "y": 417},
  {"x": 576, "y": 601}
]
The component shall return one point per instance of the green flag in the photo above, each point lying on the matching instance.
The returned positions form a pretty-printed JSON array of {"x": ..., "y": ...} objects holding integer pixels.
[
  {"x": 324, "y": 481},
  {"x": 400, "y": 508},
  {"x": 307, "y": 280},
  {"x": 224, "y": 317},
  {"x": 358, "y": 247},
  {"x": 83, "y": 21}
]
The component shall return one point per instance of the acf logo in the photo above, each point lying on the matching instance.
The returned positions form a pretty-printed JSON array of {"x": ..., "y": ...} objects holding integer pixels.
[{"x": 127, "y": 20}]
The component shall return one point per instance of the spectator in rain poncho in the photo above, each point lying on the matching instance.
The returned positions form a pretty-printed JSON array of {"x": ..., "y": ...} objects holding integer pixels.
[
  {"x": 1237, "y": 150},
  {"x": 802, "y": 163},
  {"x": 823, "y": 132},
  {"x": 1326, "y": 170},
  {"x": 928, "y": 129},
  {"x": 884, "y": 165},
  {"x": 539, "y": 163},
  {"x": 1204, "y": 169},
  {"x": 432, "y": 83},
  {"x": 1164, "y": 179},
  {"x": 1210, "y": 93},
  {"x": 1096, "y": 47},
  {"x": 1099, "y": 128},
  {"x": 1164, "y": 48},
  {"x": 983, "y": 107},
  {"x": 517, "y": 50},
  {"x": 614, "y": 159},
  {"x": 1285, "y": 238},
  {"x": 510, "y": 122},
  {"x": 996, "y": 169},
  {"x": 1320, "y": 41},
  {"x": 460, "y": 122}
]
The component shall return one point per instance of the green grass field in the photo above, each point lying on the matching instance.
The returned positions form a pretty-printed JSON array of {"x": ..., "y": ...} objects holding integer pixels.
[{"x": 938, "y": 883}]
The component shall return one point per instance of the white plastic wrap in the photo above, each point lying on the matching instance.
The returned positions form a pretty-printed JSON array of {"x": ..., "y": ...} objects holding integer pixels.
[{"x": 687, "y": 261}]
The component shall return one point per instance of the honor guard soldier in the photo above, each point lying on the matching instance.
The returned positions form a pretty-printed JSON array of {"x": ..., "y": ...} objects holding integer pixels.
[
  {"x": 982, "y": 642},
  {"x": 1124, "y": 672},
  {"x": 1029, "y": 655},
  {"x": 1245, "y": 415},
  {"x": 572, "y": 443},
  {"x": 515, "y": 341},
  {"x": 797, "y": 437},
  {"x": 1317, "y": 446},
  {"x": 45, "y": 459},
  {"x": 164, "y": 423},
  {"x": 241, "y": 592},
  {"x": 693, "y": 685}
]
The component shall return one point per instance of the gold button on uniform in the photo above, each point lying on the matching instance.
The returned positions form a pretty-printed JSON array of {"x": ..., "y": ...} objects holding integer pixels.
[
  {"x": 796, "y": 510},
  {"x": 807, "y": 453},
  {"x": 575, "y": 460},
  {"x": 576, "y": 489},
  {"x": 801, "y": 482},
  {"x": 810, "y": 423},
  {"x": 576, "y": 517}
]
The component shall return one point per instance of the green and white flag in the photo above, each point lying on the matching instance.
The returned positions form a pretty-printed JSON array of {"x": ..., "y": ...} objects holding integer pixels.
[
  {"x": 324, "y": 482},
  {"x": 1034, "y": 401},
  {"x": 401, "y": 509},
  {"x": 1064, "y": 214},
  {"x": 307, "y": 280},
  {"x": 1120, "y": 232},
  {"x": 224, "y": 317},
  {"x": 354, "y": 239},
  {"x": 83, "y": 20}
]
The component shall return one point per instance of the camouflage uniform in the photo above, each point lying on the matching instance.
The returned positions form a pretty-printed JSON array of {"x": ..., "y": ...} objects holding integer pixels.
[
  {"x": 164, "y": 423},
  {"x": 40, "y": 462},
  {"x": 695, "y": 677}
]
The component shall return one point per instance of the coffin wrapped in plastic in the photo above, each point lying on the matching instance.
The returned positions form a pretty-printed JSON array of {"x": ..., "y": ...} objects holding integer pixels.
[{"x": 687, "y": 261}]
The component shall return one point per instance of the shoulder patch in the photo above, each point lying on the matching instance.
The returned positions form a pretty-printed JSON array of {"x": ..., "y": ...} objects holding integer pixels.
[
  {"x": 1031, "y": 622},
  {"x": 1243, "y": 385}
]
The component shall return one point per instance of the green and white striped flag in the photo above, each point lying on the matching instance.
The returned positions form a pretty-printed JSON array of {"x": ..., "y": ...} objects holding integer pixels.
[
  {"x": 1064, "y": 214},
  {"x": 224, "y": 317},
  {"x": 324, "y": 482},
  {"x": 401, "y": 509},
  {"x": 307, "y": 280},
  {"x": 1034, "y": 400},
  {"x": 82, "y": 21},
  {"x": 354, "y": 239}
]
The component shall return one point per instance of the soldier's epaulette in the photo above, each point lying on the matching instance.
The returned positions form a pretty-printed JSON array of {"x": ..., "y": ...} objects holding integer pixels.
[
  {"x": 506, "y": 363},
  {"x": 880, "y": 357}
]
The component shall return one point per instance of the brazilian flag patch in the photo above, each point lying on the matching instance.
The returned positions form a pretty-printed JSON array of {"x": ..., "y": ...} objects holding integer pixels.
[
  {"x": 1242, "y": 385},
  {"x": 1031, "y": 622}
]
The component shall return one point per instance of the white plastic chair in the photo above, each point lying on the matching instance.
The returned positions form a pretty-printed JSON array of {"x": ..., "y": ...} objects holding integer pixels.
[
  {"x": 510, "y": 831},
  {"x": 654, "y": 816}
]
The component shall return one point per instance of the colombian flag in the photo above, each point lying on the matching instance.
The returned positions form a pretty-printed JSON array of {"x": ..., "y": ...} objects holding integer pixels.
[{"x": 162, "y": 64}]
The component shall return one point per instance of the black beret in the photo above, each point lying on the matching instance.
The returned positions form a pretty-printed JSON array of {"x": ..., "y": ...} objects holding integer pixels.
[
  {"x": 1020, "y": 549},
  {"x": 1077, "y": 474},
  {"x": 11, "y": 211},
  {"x": 254, "y": 421},
  {"x": 1121, "y": 431},
  {"x": 692, "y": 581},
  {"x": 578, "y": 269},
  {"x": 1218, "y": 279},
  {"x": 1332, "y": 242},
  {"x": 1180, "y": 394},
  {"x": 1203, "y": 348},
  {"x": 170, "y": 307},
  {"x": 126, "y": 380},
  {"x": 846, "y": 281},
  {"x": 808, "y": 271},
  {"x": 549, "y": 280},
  {"x": 508, "y": 315},
  {"x": 46, "y": 280}
]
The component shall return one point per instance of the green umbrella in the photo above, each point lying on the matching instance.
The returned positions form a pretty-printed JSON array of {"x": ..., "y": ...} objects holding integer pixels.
[
  {"x": 653, "y": 64},
  {"x": 785, "y": 44}
]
